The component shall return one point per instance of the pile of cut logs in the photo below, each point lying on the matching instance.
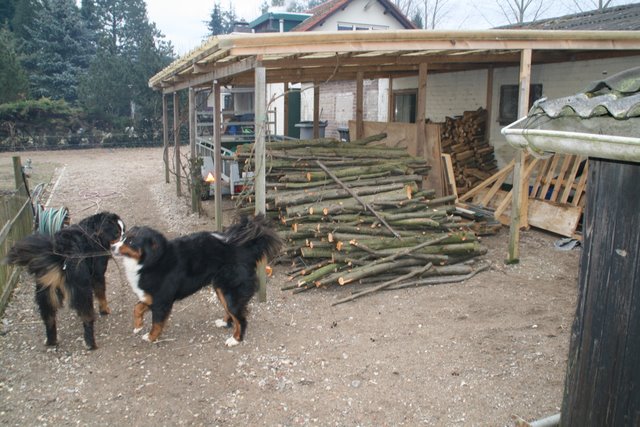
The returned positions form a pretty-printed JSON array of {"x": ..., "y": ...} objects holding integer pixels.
[
  {"x": 353, "y": 213},
  {"x": 464, "y": 138}
]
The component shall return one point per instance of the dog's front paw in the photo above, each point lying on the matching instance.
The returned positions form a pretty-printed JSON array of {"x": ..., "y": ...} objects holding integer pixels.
[
  {"x": 136, "y": 330},
  {"x": 231, "y": 341},
  {"x": 220, "y": 323},
  {"x": 145, "y": 337}
]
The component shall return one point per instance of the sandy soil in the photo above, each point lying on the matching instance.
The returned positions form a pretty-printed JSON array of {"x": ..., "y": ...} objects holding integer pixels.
[{"x": 466, "y": 354}]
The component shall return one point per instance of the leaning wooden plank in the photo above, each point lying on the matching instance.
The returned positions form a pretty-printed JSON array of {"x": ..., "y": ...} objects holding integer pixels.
[
  {"x": 561, "y": 179},
  {"x": 542, "y": 172},
  {"x": 493, "y": 190},
  {"x": 452, "y": 189},
  {"x": 549, "y": 177},
  {"x": 578, "y": 199},
  {"x": 487, "y": 182},
  {"x": 559, "y": 219},
  {"x": 571, "y": 181}
]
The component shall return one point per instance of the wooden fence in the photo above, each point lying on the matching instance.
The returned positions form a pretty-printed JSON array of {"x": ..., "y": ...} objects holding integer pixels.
[{"x": 16, "y": 219}]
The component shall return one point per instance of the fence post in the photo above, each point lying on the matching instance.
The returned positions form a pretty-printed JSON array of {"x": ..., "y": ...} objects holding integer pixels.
[{"x": 21, "y": 183}]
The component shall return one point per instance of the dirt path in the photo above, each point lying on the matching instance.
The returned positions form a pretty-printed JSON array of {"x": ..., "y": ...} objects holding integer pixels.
[{"x": 465, "y": 354}]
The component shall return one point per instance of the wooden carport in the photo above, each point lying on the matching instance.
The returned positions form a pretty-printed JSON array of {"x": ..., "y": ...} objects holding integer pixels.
[{"x": 316, "y": 57}]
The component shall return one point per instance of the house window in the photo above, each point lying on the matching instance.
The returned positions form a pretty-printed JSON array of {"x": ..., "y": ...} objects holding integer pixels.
[
  {"x": 404, "y": 106},
  {"x": 509, "y": 101},
  {"x": 349, "y": 26}
]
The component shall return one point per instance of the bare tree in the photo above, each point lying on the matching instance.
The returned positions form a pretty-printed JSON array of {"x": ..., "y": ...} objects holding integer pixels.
[
  {"x": 585, "y": 5},
  {"x": 434, "y": 12},
  {"x": 519, "y": 11},
  {"x": 407, "y": 7}
]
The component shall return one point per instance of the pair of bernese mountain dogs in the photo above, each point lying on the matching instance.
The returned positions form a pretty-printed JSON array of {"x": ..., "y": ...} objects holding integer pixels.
[{"x": 72, "y": 263}]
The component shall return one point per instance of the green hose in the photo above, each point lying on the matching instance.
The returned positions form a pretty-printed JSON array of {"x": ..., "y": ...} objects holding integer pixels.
[{"x": 47, "y": 221}]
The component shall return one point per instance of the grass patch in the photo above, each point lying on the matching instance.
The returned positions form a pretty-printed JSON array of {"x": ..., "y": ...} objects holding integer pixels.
[{"x": 42, "y": 172}]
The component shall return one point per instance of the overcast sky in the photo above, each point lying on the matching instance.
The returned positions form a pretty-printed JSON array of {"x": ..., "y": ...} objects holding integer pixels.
[{"x": 183, "y": 22}]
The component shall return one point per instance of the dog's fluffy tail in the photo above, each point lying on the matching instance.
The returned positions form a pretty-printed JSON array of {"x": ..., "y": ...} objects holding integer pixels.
[
  {"x": 256, "y": 235},
  {"x": 35, "y": 252}
]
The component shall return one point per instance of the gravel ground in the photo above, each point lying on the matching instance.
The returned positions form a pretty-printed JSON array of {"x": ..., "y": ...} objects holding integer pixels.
[{"x": 466, "y": 354}]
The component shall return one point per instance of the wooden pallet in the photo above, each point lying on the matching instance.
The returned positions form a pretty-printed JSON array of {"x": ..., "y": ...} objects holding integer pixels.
[{"x": 556, "y": 193}]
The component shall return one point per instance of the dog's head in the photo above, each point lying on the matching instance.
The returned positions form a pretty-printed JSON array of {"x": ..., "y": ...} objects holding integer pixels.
[
  {"x": 143, "y": 244},
  {"x": 106, "y": 227}
]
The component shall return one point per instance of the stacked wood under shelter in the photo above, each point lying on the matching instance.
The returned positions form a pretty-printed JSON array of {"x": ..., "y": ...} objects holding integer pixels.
[
  {"x": 355, "y": 213},
  {"x": 464, "y": 138}
]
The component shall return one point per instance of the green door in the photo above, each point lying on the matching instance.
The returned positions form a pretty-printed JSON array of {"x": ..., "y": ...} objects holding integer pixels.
[{"x": 294, "y": 113}]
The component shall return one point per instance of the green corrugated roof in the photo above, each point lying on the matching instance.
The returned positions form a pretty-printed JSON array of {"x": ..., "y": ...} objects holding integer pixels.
[{"x": 287, "y": 16}]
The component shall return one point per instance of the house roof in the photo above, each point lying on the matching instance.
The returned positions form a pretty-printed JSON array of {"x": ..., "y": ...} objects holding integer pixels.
[
  {"x": 626, "y": 17},
  {"x": 322, "y": 12},
  {"x": 601, "y": 121}
]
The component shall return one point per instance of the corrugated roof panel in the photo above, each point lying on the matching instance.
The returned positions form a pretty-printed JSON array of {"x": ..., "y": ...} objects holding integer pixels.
[{"x": 617, "y": 96}]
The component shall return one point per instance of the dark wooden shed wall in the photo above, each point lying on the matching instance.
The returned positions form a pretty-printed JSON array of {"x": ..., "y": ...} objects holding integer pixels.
[{"x": 602, "y": 387}]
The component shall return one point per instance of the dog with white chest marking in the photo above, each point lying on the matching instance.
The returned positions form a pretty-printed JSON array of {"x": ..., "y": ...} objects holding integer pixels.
[{"x": 162, "y": 271}]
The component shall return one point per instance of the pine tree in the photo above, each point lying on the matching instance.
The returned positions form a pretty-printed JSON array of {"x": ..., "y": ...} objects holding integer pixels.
[
  {"x": 58, "y": 50},
  {"x": 221, "y": 21},
  {"x": 216, "y": 22},
  {"x": 130, "y": 51},
  {"x": 25, "y": 13},
  {"x": 229, "y": 19},
  {"x": 7, "y": 9},
  {"x": 13, "y": 80}
]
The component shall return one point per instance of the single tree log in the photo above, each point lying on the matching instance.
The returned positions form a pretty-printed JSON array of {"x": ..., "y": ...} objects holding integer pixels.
[
  {"x": 368, "y": 139},
  {"x": 355, "y": 171},
  {"x": 376, "y": 268},
  {"x": 416, "y": 272},
  {"x": 336, "y": 206},
  {"x": 440, "y": 280}
]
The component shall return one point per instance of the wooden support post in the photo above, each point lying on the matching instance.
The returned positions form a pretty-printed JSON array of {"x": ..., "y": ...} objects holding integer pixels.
[
  {"x": 316, "y": 110},
  {"x": 359, "y": 105},
  {"x": 489, "y": 102},
  {"x": 217, "y": 155},
  {"x": 21, "y": 183},
  {"x": 165, "y": 137},
  {"x": 520, "y": 195},
  {"x": 421, "y": 111},
  {"x": 390, "y": 101},
  {"x": 260, "y": 158},
  {"x": 176, "y": 142},
  {"x": 195, "y": 174}
]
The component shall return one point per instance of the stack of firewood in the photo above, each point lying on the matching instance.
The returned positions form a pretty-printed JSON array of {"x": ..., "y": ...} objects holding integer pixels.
[
  {"x": 464, "y": 138},
  {"x": 354, "y": 213}
]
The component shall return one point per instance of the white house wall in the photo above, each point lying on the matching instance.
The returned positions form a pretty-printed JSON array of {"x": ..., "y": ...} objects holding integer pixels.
[
  {"x": 557, "y": 80},
  {"x": 365, "y": 12},
  {"x": 450, "y": 94},
  {"x": 275, "y": 107}
]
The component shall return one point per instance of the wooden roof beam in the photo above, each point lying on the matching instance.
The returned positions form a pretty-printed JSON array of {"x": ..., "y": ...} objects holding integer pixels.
[{"x": 218, "y": 73}]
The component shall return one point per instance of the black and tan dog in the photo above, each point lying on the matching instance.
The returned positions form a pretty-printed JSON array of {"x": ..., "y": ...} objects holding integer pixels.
[
  {"x": 162, "y": 271},
  {"x": 70, "y": 264}
]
